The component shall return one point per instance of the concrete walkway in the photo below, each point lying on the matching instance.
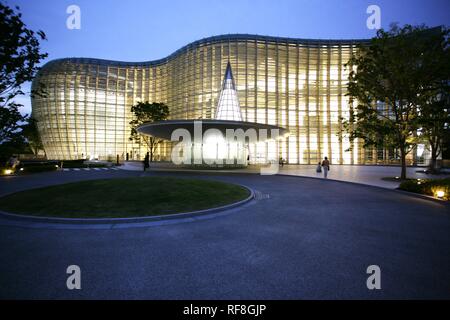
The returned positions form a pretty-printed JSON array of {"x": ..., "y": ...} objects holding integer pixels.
[
  {"x": 300, "y": 238},
  {"x": 364, "y": 174},
  {"x": 370, "y": 175}
]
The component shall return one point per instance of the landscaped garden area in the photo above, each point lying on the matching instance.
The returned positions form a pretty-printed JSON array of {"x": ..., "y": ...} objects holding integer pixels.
[
  {"x": 439, "y": 188},
  {"x": 26, "y": 167},
  {"x": 126, "y": 197}
]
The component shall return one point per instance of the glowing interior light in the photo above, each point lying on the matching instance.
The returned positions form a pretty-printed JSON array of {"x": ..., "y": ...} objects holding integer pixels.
[
  {"x": 214, "y": 146},
  {"x": 420, "y": 149},
  {"x": 228, "y": 107}
]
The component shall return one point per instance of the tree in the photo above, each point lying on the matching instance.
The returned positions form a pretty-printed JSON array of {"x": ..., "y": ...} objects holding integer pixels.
[
  {"x": 433, "y": 96},
  {"x": 19, "y": 55},
  {"x": 19, "y": 58},
  {"x": 31, "y": 133},
  {"x": 383, "y": 88},
  {"x": 15, "y": 145},
  {"x": 147, "y": 112},
  {"x": 435, "y": 125},
  {"x": 10, "y": 122}
]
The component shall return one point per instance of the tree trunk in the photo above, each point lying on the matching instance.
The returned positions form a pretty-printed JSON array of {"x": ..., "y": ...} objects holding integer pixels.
[
  {"x": 151, "y": 148},
  {"x": 403, "y": 162},
  {"x": 433, "y": 163}
]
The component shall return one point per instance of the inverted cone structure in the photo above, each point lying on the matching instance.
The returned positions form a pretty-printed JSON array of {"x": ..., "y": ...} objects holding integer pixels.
[{"x": 228, "y": 107}]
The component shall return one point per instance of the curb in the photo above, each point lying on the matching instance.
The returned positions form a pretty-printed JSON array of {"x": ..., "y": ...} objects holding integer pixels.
[
  {"x": 114, "y": 221},
  {"x": 423, "y": 196},
  {"x": 216, "y": 172},
  {"x": 416, "y": 195}
]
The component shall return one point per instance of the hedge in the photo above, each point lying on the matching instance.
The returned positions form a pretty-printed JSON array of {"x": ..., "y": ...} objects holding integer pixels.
[{"x": 427, "y": 186}]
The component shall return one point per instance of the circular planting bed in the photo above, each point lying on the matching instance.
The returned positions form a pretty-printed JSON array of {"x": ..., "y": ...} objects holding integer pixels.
[{"x": 123, "y": 198}]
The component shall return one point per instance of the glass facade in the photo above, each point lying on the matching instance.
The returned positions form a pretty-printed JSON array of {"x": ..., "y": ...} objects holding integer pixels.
[{"x": 292, "y": 83}]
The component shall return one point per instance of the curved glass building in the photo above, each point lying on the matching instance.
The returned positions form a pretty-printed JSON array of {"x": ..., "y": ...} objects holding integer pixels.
[{"x": 296, "y": 84}]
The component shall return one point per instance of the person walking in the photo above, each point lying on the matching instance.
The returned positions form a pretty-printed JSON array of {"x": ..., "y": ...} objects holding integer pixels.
[
  {"x": 326, "y": 167},
  {"x": 146, "y": 161}
]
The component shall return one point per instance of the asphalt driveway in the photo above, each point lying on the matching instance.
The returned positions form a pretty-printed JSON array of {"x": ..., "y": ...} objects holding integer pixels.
[{"x": 300, "y": 238}]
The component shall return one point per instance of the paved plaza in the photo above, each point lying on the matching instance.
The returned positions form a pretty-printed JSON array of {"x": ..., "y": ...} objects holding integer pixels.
[
  {"x": 299, "y": 238},
  {"x": 370, "y": 175},
  {"x": 364, "y": 174}
]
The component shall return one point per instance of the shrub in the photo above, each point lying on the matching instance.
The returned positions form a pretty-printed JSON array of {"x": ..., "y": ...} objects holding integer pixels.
[
  {"x": 94, "y": 165},
  {"x": 38, "y": 168},
  {"x": 2, "y": 170},
  {"x": 30, "y": 168},
  {"x": 80, "y": 164},
  {"x": 213, "y": 166},
  {"x": 428, "y": 187}
]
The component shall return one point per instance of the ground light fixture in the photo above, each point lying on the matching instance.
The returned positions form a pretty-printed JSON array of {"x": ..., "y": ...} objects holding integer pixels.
[
  {"x": 440, "y": 194},
  {"x": 8, "y": 171}
]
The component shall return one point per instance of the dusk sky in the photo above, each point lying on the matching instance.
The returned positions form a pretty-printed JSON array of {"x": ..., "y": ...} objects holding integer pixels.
[{"x": 146, "y": 30}]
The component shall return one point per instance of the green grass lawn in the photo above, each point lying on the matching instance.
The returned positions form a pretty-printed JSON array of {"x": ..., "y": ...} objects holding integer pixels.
[{"x": 127, "y": 197}]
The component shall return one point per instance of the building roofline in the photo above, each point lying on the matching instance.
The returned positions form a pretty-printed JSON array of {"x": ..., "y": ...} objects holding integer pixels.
[{"x": 212, "y": 40}]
